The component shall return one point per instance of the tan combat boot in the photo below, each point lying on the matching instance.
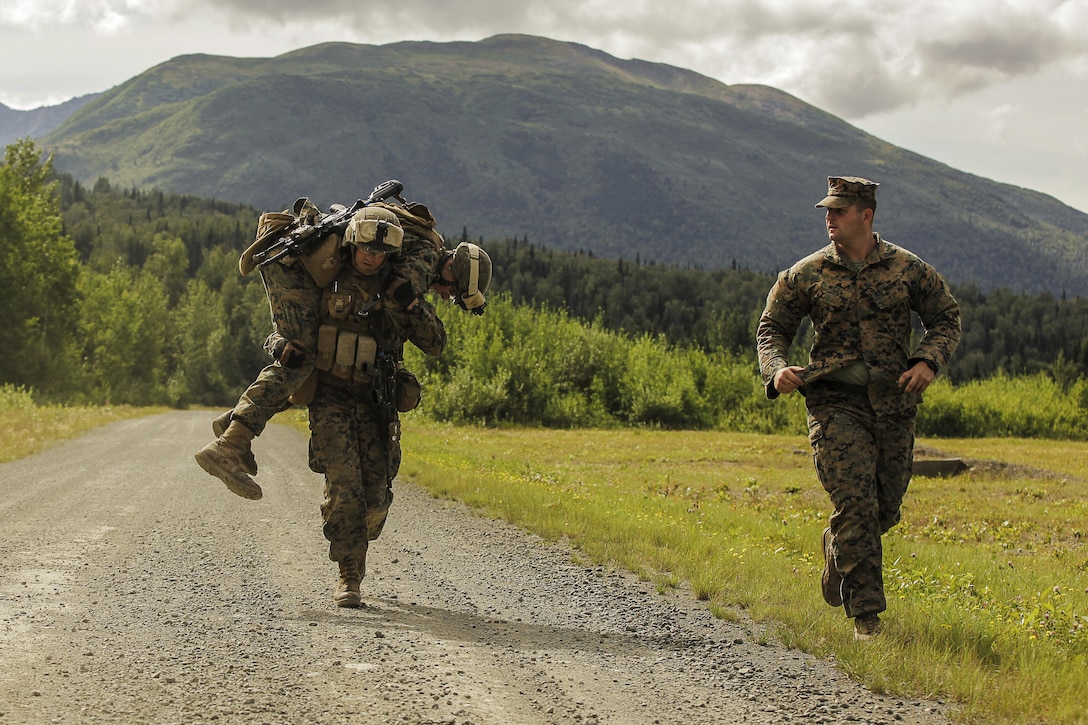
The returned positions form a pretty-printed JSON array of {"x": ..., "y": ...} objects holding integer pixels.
[
  {"x": 219, "y": 426},
  {"x": 866, "y": 627},
  {"x": 224, "y": 458},
  {"x": 352, "y": 571}
]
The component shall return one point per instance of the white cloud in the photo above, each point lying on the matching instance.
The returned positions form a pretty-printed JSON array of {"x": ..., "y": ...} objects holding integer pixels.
[
  {"x": 882, "y": 64},
  {"x": 862, "y": 57}
]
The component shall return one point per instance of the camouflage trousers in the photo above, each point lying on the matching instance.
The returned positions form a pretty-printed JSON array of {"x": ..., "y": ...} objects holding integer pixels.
[
  {"x": 349, "y": 444},
  {"x": 293, "y": 299},
  {"x": 864, "y": 463}
]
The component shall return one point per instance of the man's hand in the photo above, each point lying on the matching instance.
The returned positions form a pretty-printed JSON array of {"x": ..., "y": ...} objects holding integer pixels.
[
  {"x": 293, "y": 355},
  {"x": 788, "y": 379},
  {"x": 917, "y": 379}
]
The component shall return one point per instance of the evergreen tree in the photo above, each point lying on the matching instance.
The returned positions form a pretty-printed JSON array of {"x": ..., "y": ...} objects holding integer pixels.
[{"x": 38, "y": 271}]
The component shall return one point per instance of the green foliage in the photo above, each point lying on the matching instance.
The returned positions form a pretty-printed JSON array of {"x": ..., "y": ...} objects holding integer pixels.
[
  {"x": 713, "y": 310},
  {"x": 158, "y": 314},
  {"x": 99, "y": 293},
  {"x": 1003, "y": 332},
  {"x": 16, "y": 398},
  {"x": 125, "y": 316},
  {"x": 537, "y": 366},
  {"x": 38, "y": 269},
  {"x": 1032, "y": 406},
  {"x": 528, "y": 366},
  {"x": 517, "y": 364}
]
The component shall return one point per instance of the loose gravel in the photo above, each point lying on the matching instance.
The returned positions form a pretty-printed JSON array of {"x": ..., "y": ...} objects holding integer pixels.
[{"x": 134, "y": 588}]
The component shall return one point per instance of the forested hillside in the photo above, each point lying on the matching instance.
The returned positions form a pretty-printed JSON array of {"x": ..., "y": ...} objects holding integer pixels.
[
  {"x": 518, "y": 135},
  {"x": 122, "y": 295},
  {"x": 1002, "y": 330}
]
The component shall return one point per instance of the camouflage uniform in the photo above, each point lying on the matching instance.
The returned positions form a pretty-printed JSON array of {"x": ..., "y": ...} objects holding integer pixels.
[
  {"x": 294, "y": 297},
  {"x": 862, "y": 436},
  {"x": 423, "y": 248},
  {"x": 351, "y": 443},
  {"x": 292, "y": 300}
]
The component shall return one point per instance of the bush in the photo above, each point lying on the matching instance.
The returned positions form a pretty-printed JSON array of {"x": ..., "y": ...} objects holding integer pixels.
[{"x": 16, "y": 398}]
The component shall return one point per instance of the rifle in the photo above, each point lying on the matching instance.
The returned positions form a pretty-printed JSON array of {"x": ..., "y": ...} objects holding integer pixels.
[
  {"x": 384, "y": 382},
  {"x": 303, "y": 238}
]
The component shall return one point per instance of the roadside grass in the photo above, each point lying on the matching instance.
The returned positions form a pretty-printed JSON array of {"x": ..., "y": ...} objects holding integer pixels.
[
  {"x": 27, "y": 428},
  {"x": 986, "y": 577}
]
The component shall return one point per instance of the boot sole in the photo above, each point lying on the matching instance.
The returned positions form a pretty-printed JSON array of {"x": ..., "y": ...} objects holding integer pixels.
[
  {"x": 241, "y": 487},
  {"x": 350, "y": 599}
]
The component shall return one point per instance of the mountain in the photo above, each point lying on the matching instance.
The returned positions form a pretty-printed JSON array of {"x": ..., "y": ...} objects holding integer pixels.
[
  {"x": 37, "y": 122},
  {"x": 563, "y": 144}
]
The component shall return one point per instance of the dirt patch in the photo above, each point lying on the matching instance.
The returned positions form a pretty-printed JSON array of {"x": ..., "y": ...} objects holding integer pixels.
[{"x": 987, "y": 468}]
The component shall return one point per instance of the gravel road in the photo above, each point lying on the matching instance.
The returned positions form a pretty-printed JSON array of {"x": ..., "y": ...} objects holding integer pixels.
[{"x": 134, "y": 588}]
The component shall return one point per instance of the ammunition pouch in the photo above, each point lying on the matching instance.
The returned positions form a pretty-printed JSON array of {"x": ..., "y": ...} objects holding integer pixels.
[
  {"x": 409, "y": 391},
  {"x": 346, "y": 356}
]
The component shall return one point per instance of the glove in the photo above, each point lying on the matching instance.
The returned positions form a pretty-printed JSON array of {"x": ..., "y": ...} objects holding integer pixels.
[
  {"x": 292, "y": 355},
  {"x": 400, "y": 291}
]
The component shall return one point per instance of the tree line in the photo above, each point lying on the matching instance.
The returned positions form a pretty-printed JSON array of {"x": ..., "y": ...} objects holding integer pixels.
[
  {"x": 1003, "y": 331},
  {"x": 115, "y": 295}
]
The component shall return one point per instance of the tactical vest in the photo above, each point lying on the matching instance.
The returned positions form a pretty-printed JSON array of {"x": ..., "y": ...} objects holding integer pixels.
[{"x": 348, "y": 336}]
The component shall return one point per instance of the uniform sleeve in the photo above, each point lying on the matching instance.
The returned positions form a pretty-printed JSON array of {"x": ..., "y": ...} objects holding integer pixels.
[
  {"x": 417, "y": 263},
  {"x": 940, "y": 314},
  {"x": 421, "y": 326},
  {"x": 274, "y": 344},
  {"x": 778, "y": 324}
]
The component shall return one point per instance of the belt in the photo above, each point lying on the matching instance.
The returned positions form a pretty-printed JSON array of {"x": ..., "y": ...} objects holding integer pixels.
[{"x": 847, "y": 388}]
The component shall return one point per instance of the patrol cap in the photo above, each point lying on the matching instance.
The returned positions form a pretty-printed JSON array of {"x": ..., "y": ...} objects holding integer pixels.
[
  {"x": 376, "y": 229},
  {"x": 843, "y": 191},
  {"x": 471, "y": 274}
]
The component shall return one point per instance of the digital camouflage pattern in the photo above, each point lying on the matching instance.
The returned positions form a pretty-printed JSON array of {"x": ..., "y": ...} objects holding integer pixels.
[
  {"x": 349, "y": 442},
  {"x": 293, "y": 299},
  {"x": 861, "y": 316},
  {"x": 423, "y": 248},
  {"x": 862, "y": 436},
  {"x": 844, "y": 191},
  {"x": 417, "y": 262},
  {"x": 863, "y": 461},
  {"x": 348, "y": 445}
]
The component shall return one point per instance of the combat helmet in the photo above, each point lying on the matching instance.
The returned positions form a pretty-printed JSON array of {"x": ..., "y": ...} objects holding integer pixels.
[
  {"x": 376, "y": 229},
  {"x": 472, "y": 274}
]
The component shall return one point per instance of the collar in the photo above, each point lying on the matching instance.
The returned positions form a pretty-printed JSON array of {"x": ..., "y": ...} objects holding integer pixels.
[{"x": 880, "y": 252}]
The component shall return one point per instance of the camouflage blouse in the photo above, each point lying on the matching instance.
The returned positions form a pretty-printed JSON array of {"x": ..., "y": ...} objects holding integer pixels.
[{"x": 860, "y": 315}]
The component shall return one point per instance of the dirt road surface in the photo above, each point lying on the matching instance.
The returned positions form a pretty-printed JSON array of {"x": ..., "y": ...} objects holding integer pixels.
[{"x": 134, "y": 588}]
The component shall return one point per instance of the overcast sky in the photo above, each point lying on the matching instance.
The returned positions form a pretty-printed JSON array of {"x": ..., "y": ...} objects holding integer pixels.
[{"x": 998, "y": 88}]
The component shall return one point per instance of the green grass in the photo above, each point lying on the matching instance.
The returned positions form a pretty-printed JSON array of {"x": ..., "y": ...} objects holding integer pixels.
[
  {"x": 26, "y": 428},
  {"x": 987, "y": 576}
]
